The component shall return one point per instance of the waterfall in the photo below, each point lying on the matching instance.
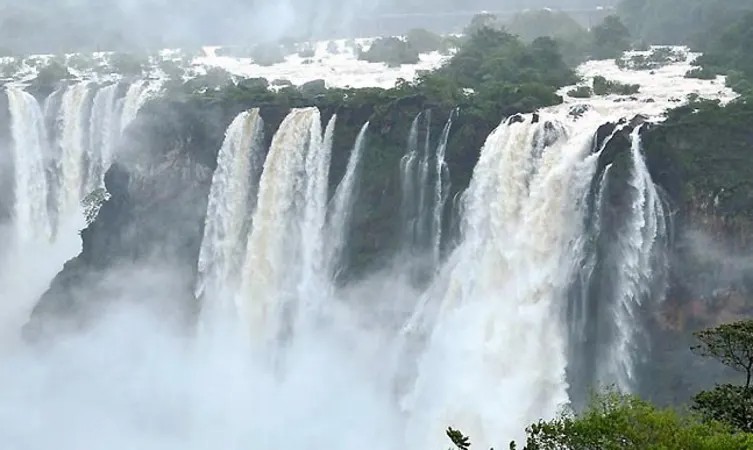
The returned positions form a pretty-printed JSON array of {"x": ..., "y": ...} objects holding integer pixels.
[
  {"x": 408, "y": 184},
  {"x": 30, "y": 213},
  {"x": 73, "y": 144},
  {"x": 342, "y": 205},
  {"x": 137, "y": 95},
  {"x": 318, "y": 159},
  {"x": 441, "y": 191},
  {"x": 104, "y": 130},
  {"x": 230, "y": 206},
  {"x": 640, "y": 248},
  {"x": 494, "y": 314},
  {"x": 422, "y": 230},
  {"x": 288, "y": 199}
]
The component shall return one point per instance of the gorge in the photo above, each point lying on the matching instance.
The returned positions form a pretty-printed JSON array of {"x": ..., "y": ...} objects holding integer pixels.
[{"x": 195, "y": 268}]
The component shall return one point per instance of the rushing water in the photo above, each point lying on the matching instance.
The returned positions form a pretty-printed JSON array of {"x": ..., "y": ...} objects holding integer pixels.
[
  {"x": 342, "y": 205},
  {"x": 487, "y": 345},
  {"x": 231, "y": 198}
]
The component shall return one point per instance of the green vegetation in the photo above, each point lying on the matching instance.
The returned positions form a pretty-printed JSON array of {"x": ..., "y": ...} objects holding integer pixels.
[
  {"x": 127, "y": 64},
  {"x": 610, "y": 38},
  {"x": 701, "y": 73},
  {"x": 728, "y": 53},
  {"x": 615, "y": 421},
  {"x": 721, "y": 419},
  {"x": 581, "y": 92},
  {"x": 680, "y": 22},
  {"x": 732, "y": 345},
  {"x": 51, "y": 74},
  {"x": 602, "y": 86},
  {"x": 391, "y": 51},
  {"x": 424, "y": 41},
  {"x": 657, "y": 58},
  {"x": 532, "y": 24}
]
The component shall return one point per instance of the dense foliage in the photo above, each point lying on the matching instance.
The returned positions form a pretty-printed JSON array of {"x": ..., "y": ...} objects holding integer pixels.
[
  {"x": 655, "y": 59},
  {"x": 688, "y": 22},
  {"x": 610, "y": 38},
  {"x": 722, "y": 419},
  {"x": 602, "y": 86},
  {"x": 621, "y": 422},
  {"x": 392, "y": 51},
  {"x": 728, "y": 53}
]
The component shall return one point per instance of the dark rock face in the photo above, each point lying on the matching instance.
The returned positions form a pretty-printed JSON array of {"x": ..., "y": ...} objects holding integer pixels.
[
  {"x": 160, "y": 182},
  {"x": 159, "y": 187}
]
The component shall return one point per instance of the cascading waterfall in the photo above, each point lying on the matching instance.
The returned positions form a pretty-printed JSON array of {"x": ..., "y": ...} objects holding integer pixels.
[
  {"x": 422, "y": 226},
  {"x": 138, "y": 93},
  {"x": 104, "y": 130},
  {"x": 30, "y": 213},
  {"x": 493, "y": 317},
  {"x": 313, "y": 230},
  {"x": 231, "y": 200},
  {"x": 641, "y": 257},
  {"x": 408, "y": 184},
  {"x": 290, "y": 210},
  {"x": 441, "y": 191},
  {"x": 73, "y": 144},
  {"x": 342, "y": 205}
]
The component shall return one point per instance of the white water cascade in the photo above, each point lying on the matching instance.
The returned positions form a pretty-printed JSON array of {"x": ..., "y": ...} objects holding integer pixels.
[
  {"x": 33, "y": 251},
  {"x": 409, "y": 184},
  {"x": 341, "y": 207},
  {"x": 73, "y": 144},
  {"x": 288, "y": 225},
  {"x": 639, "y": 246},
  {"x": 104, "y": 132},
  {"x": 441, "y": 191},
  {"x": 494, "y": 315},
  {"x": 138, "y": 93},
  {"x": 31, "y": 215},
  {"x": 231, "y": 200}
]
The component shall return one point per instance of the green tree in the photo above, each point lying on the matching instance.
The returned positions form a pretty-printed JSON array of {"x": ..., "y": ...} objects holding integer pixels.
[
  {"x": 617, "y": 422},
  {"x": 732, "y": 345},
  {"x": 610, "y": 38},
  {"x": 424, "y": 41}
]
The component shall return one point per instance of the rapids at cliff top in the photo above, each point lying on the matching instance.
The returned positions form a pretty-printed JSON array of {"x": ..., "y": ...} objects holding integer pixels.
[{"x": 480, "y": 329}]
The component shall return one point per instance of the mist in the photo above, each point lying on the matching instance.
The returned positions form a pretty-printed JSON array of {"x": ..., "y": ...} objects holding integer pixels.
[{"x": 50, "y": 26}]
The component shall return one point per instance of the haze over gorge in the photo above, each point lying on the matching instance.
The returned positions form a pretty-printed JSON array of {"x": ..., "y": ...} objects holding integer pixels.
[{"x": 281, "y": 233}]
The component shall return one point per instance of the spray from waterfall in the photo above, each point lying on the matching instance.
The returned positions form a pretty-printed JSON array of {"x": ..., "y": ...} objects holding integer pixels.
[
  {"x": 231, "y": 199},
  {"x": 493, "y": 315},
  {"x": 342, "y": 205}
]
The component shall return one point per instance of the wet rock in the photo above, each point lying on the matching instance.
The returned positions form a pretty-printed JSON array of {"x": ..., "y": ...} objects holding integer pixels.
[
  {"x": 517, "y": 118},
  {"x": 577, "y": 111}
]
